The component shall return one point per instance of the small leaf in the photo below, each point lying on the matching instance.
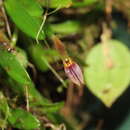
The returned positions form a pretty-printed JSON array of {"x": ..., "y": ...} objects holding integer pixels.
[
  {"x": 22, "y": 119},
  {"x": 68, "y": 27},
  {"x": 77, "y": 3},
  {"x": 13, "y": 67},
  {"x": 4, "y": 110},
  {"x": 3, "y": 103},
  {"x": 21, "y": 56},
  {"x": 58, "y": 3},
  {"x": 28, "y": 21},
  {"x": 39, "y": 55},
  {"x": 53, "y": 107},
  {"x": 107, "y": 76}
]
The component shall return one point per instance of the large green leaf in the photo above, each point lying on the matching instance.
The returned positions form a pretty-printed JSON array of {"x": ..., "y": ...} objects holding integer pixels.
[
  {"x": 107, "y": 76},
  {"x": 22, "y": 119},
  {"x": 26, "y": 15},
  {"x": 13, "y": 67},
  {"x": 32, "y": 7}
]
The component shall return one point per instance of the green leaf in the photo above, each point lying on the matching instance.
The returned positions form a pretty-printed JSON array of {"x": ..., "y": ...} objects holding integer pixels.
[
  {"x": 21, "y": 56},
  {"x": 5, "y": 110},
  {"x": 26, "y": 15},
  {"x": 52, "y": 107},
  {"x": 107, "y": 74},
  {"x": 32, "y": 7},
  {"x": 22, "y": 119},
  {"x": 35, "y": 98},
  {"x": 3, "y": 103},
  {"x": 77, "y": 3},
  {"x": 13, "y": 67},
  {"x": 40, "y": 55},
  {"x": 57, "y": 3},
  {"x": 68, "y": 27}
]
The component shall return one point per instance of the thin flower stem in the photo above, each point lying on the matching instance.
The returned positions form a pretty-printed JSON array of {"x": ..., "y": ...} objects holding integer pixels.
[
  {"x": 37, "y": 40},
  {"x": 40, "y": 29},
  {"x": 44, "y": 20},
  {"x": 46, "y": 44},
  {"x": 59, "y": 46},
  {"x": 54, "y": 10},
  {"x": 55, "y": 73}
]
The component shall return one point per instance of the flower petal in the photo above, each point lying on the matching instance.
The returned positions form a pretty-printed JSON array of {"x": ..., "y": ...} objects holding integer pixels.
[{"x": 74, "y": 73}]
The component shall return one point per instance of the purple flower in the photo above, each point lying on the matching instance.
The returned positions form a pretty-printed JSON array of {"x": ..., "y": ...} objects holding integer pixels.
[{"x": 73, "y": 72}]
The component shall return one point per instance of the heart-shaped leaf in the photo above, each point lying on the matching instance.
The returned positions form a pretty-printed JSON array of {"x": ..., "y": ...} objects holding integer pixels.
[{"x": 108, "y": 71}]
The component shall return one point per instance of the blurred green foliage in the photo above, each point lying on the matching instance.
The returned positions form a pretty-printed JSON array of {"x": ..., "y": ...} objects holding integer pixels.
[
  {"x": 29, "y": 96},
  {"x": 18, "y": 120}
]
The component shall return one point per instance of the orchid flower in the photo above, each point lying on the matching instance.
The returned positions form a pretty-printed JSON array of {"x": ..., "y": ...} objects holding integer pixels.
[
  {"x": 73, "y": 71},
  {"x": 71, "y": 68}
]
